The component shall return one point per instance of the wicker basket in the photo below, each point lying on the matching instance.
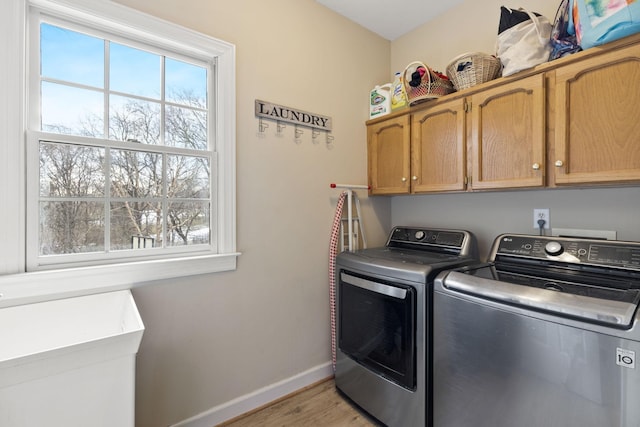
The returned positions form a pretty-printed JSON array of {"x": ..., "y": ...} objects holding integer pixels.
[
  {"x": 429, "y": 86},
  {"x": 471, "y": 69}
]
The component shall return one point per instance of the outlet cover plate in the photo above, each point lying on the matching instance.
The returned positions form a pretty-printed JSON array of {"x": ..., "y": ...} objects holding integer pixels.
[{"x": 541, "y": 214}]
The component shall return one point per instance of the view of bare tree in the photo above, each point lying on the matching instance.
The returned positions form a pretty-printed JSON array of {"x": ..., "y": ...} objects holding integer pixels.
[{"x": 137, "y": 190}]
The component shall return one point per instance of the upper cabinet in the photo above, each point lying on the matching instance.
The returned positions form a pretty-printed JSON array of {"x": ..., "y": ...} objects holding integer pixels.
[
  {"x": 573, "y": 121},
  {"x": 508, "y": 135},
  {"x": 502, "y": 129},
  {"x": 597, "y": 130},
  {"x": 388, "y": 152},
  {"x": 438, "y": 160}
]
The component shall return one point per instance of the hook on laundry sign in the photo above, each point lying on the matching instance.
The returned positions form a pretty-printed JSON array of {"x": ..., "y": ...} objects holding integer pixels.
[{"x": 291, "y": 115}]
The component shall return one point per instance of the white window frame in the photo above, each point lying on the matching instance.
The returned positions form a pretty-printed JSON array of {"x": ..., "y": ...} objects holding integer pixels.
[{"x": 16, "y": 284}]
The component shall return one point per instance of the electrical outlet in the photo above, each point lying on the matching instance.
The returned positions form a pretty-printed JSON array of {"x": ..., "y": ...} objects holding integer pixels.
[{"x": 539, "y": 214}]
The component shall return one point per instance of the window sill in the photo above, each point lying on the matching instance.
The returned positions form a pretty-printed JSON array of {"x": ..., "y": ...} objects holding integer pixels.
[{"x": 25, "y": 288}]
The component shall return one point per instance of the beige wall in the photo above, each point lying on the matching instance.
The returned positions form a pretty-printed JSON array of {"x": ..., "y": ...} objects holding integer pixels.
[
  {"x": 214, "y": 338},
  {"x": 471, "y": 26}
]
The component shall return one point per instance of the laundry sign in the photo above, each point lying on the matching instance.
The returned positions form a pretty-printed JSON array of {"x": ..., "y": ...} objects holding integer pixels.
[{"x": 281, "y": 113}]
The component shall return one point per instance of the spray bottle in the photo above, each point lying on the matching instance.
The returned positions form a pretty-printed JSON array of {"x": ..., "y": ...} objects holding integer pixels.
[{"x": 399, "y": 95}]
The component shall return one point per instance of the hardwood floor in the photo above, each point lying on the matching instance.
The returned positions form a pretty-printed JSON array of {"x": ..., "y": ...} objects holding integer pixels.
[{"x": 317, "y": 405}]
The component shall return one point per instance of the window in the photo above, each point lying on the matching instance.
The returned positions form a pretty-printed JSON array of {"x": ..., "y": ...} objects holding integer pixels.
[
  {"x": 135, "y": 179},
  {"x": 130, "y": 143}
]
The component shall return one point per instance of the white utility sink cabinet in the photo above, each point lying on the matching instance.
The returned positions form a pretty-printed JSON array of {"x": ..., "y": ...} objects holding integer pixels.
[{"x": 70, "y": 362}]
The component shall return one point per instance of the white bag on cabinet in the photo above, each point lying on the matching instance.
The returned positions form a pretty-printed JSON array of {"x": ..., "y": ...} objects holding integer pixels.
[{"x": 524, "y": 45}]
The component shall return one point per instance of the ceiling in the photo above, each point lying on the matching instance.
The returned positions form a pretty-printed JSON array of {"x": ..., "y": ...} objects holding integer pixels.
[{"x": 390, "y": 18}]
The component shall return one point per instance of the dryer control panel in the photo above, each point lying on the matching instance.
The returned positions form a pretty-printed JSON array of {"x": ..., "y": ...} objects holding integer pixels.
[{"x": 460, "y": 241}]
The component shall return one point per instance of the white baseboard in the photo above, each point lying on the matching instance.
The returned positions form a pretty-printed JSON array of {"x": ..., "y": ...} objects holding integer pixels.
[{"x": 258, "y": 398}]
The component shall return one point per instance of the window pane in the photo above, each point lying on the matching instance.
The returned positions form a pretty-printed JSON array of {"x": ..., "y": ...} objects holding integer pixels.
[
  {"x": 71, "y": 56},
  {"x": 134, "y": 71},
  {"x": 188, "y": 177},
  {"x": 185, "y": 82},
  {"x": 134, "y": 120},
  {"x": 72, "y": 111},
  {"x": 136, "y": 224},
  {"x": 71, "y": 227},
  {"x": 188, "y": 223},
  {"x": 71, "y": 171},
  {"x": 135, "y": 174},
  {"x": 186, "y": 128}
]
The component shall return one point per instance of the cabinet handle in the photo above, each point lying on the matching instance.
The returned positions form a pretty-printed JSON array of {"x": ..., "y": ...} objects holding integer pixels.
[
  {"x": 404, "y": 179},
  {"x": 536, "y": 166},
  {"x": 414, "y": 178},
  {"x": 559, "y": 163}
]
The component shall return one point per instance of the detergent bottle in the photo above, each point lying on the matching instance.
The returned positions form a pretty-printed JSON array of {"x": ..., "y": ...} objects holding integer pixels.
[
  {"x": 380, "y": 101},
  {"x": 399, "y": 95}
]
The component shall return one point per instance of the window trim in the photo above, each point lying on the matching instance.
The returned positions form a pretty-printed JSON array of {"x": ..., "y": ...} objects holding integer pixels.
[{"x": 18, "y": 286}]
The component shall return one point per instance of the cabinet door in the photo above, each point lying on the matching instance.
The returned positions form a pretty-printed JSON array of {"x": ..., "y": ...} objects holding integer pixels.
[
  {"x": 438, "y": 160},
  {"x": 388, "y": 152},
  {"x": 598, "y": 119},
  {"x": 508, "y": 135}
]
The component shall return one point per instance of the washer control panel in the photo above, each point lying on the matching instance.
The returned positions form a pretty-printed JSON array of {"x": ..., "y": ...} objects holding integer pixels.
[{"x": 571, "y": 250}]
